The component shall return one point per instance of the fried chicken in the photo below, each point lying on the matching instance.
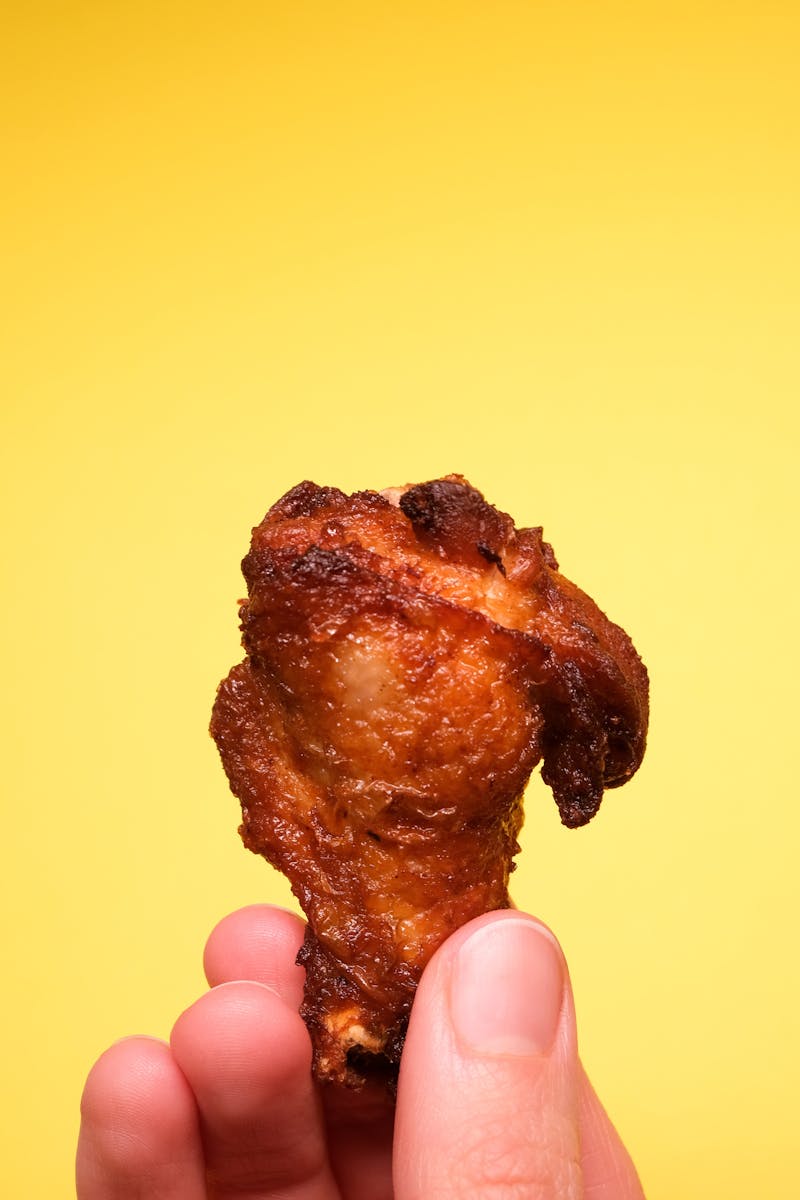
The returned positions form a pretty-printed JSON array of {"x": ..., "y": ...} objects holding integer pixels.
[{"x": 411, "y": 657}]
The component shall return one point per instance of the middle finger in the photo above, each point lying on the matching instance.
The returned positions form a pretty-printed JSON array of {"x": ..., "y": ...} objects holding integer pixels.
[{"x": 247, "y": 1058}]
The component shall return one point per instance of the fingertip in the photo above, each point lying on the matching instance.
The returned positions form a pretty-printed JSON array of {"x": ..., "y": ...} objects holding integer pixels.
[
  {"x": 506, "y": 989},
  {"x": 237, "y": 1041},
  {"x": 130, "y": 1077},
  {"x": 498, "y": 986},
  {"x": 138, "y": 1119},
  {"x": 497, "y": 917},
  {"x": 444, "y": 963},
  {"x": 259, "y": 942}
]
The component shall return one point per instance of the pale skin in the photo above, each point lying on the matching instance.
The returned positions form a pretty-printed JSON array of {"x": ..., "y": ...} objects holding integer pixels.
[{"x": 492, "y": 1102}]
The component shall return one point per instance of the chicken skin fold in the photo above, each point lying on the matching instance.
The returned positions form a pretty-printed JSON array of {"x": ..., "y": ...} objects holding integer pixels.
[{"x": 410, "y": 658}]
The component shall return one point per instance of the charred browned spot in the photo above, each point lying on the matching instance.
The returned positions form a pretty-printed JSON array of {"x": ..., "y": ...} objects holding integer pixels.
[
  {"x": 304, "y": 500},
  {"x": 491, "y": 556},
  {"x": 454, "y": 517}
]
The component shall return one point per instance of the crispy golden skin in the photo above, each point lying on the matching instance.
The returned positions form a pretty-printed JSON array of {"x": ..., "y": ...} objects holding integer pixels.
[{"x": 410, "y": 659}]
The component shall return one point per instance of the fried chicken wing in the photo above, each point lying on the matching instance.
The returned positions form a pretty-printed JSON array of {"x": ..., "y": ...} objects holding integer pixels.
[{"x": 411, "y": 657}]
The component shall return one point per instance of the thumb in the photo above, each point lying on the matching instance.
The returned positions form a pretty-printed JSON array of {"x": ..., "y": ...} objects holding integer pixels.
[{"x": 488, "y": 1097}]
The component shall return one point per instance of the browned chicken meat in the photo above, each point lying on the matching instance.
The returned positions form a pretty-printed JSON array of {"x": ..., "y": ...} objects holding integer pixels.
[{"x": 410, "y": 658}]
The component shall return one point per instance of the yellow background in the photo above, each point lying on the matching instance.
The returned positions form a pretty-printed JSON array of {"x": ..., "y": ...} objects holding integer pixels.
[{"x": 553, "y": 246}]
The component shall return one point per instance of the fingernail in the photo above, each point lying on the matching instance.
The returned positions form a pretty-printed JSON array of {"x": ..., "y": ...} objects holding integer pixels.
[{"x": 507, "y": 989}]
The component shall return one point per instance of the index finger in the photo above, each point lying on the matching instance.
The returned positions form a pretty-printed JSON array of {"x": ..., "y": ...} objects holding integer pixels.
[{"x": 258, "y": 943}]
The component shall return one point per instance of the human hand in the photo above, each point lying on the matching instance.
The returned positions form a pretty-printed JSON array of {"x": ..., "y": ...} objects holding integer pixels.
[{"x": 492, "y": 1100}]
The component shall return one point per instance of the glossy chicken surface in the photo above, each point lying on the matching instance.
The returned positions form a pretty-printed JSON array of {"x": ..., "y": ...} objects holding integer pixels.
[{"x": 410, "y": 658}]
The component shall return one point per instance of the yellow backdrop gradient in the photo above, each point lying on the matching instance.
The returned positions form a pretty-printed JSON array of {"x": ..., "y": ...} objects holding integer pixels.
[{"x": 553, "y": 246}]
